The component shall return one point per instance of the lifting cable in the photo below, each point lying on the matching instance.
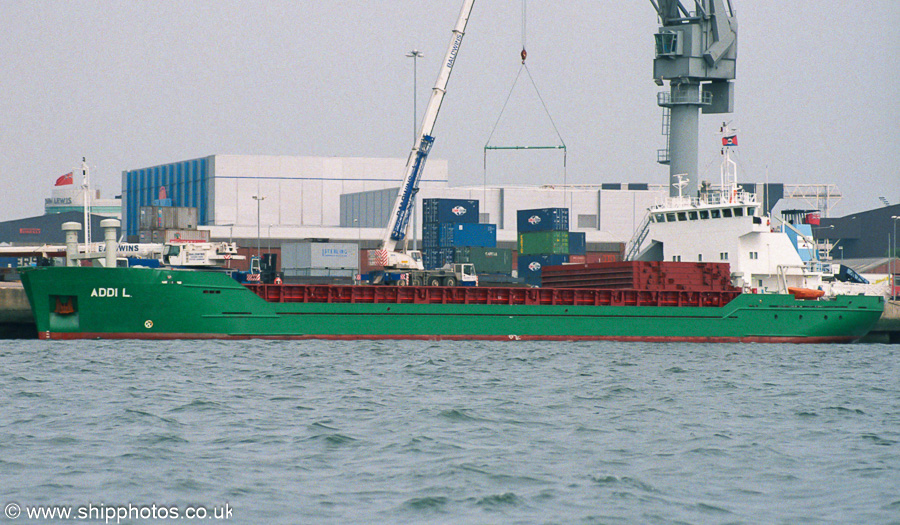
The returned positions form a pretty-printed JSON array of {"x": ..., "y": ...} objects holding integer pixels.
[{"x": 561, "y": 146}]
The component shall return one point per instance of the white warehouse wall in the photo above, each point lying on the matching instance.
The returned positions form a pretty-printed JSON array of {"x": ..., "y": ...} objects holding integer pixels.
[{"x": 300, "y": 191}]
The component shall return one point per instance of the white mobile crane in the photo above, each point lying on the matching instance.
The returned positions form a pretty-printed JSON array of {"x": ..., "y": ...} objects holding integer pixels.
[{"x": 405, "y": 267}]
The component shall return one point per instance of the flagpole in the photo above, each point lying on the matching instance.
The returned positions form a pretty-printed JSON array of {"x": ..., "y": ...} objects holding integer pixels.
[{"x": 86, "y": 185}]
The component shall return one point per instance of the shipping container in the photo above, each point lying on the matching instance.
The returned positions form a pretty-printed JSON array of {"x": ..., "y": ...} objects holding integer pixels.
[
  {"x": 446, "y": 256},
  {"x": 431, "y": 235},
  {"x": 345, "y": 273},
  {"x": 368, "y": 261},
  {"x": 543, "y": 219},
  {"x": 185, "y": 236},
  {"x": 186, "y": 218},
  {"x": 454, "y": 234},
  {"x": 449, "y": 210},
  {"x": 321, "y": 255},
  {"x": 431, "y": 258},
  {"x": 548, "y": 242},
  {"x": 164, "y": 236},
  {"x": 577, "y": 245},
  {"x": 168, "y": 218},
  {"x": 437, "y": 257},
  {"x": 597, "y": 257},
  {"x": 530, "y": 266},
  {"x": 606, "y": 247},
  {"x": 485, "y": 260}
]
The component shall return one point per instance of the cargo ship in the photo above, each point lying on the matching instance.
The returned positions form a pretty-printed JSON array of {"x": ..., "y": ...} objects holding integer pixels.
[
  {"x": 697, "y": 303},
  {"x": 75, "y": 302}
]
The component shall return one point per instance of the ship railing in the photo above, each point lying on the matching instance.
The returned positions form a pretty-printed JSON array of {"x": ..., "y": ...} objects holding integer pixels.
[
  {"x": 683, "y": 97},
  {"x": 738, "y": 196},
  {"x": 634, "y": 245},
  {"x": 825, "y": 268}
]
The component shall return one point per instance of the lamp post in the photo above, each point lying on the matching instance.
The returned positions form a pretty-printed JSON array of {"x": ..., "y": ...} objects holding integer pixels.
[
  {"x": 258, "y": 199},
  {"x": 415, "y": 54},
  {"x": 841, "y": 248}
]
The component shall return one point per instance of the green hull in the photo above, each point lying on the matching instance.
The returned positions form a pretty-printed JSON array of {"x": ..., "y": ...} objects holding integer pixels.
[{"x": 136, "y": 303}]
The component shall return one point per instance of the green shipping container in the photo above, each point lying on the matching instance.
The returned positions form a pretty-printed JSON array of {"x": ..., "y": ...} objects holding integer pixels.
[
  {"x": 485, "y": 260},
  {"x": 544, "y": 243}
]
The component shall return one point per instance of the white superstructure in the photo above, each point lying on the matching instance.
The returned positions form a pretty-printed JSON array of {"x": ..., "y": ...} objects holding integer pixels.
[{"x": 726, "y": 225}]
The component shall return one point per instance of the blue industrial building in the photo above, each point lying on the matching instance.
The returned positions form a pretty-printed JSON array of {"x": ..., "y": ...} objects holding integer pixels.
[{"x": 186, "y": 184}]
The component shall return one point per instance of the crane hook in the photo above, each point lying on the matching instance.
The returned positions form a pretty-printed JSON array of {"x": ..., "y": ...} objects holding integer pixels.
[{"x": 524, "y": 55}]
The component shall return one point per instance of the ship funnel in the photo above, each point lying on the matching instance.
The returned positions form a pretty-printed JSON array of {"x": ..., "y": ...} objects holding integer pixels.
[
  {"x": 71, "y": 229},
  {"x": 109, "y": 235}
]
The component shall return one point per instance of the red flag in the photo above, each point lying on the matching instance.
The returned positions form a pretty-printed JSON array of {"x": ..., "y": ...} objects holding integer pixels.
[
  {"x": 64, "y": 180},
  {"x": 730, "y": 141}
]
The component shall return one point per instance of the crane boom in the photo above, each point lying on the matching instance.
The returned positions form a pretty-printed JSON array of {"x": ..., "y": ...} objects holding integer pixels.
[{"x": 400, "y": 213}]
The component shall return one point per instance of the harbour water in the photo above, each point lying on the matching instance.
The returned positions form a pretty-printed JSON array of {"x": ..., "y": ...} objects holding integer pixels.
[{"x": 453, "y": 432}]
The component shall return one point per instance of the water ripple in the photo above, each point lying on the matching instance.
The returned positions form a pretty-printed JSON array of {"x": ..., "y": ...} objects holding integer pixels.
[{"x": 457, "y": 432}]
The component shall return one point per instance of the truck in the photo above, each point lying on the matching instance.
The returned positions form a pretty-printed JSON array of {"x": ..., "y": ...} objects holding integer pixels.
[
  {"x": 199, "y": 254},
  {"x": 407, "y": 270},
  {"x": 396, "y": 264}
]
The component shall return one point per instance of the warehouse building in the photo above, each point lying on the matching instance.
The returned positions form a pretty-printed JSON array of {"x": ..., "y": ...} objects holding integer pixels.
[
  {"x": 288, "y": 197},
  {"x": 263, "y": 200}
]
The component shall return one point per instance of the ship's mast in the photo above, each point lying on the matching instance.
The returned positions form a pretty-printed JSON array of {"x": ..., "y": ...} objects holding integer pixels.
[
  {"x": 86, "y": 187},
  {"x": 728, "y": 171}
]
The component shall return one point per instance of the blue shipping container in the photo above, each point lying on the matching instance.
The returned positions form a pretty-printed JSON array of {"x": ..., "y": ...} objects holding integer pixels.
[
  {"x": 430, "y": 235},
  {"x": 543, "y": 220},
  {"x": 449, "y": 210},
  {"x": 530, "y": 266},
  {"x": 430, "y": 258},
  {"x": 484, "y": 235},
  {"x": 577, "y": 245}
]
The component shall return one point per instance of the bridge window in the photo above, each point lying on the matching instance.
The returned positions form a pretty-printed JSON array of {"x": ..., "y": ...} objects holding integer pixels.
[
  {"x": 692, "y": 215},
  {"x": 670, "y": 217},
  {"x": 726, "y": 213},
  {"x": 704, "y": 214},
  {"x": 682, "y": 216},
  {"x": 739, "y": 212},
  {"x": 715, "y": 214}
]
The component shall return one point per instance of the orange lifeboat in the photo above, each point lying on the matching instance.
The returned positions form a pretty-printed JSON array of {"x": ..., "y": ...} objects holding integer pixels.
[{"x": 805, "y": 293}]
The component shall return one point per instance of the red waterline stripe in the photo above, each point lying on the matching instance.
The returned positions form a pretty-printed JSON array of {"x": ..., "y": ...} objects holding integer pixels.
[{"x": 645, "y": 339}]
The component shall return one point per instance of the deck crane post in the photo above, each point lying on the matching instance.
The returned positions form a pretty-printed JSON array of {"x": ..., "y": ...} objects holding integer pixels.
[{"x": 398, "y": 224}]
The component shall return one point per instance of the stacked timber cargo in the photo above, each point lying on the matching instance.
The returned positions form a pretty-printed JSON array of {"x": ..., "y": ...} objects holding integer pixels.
[
  {"x": 162, "y": 224},
  {"x": 451, "y": 234},
  {"x": 543, "y": 240},
  {"x": 654, "y": 276}
]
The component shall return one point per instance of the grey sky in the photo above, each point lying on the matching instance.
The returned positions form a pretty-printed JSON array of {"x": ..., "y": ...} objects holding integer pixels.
[{"x": 135, "y": 84}]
